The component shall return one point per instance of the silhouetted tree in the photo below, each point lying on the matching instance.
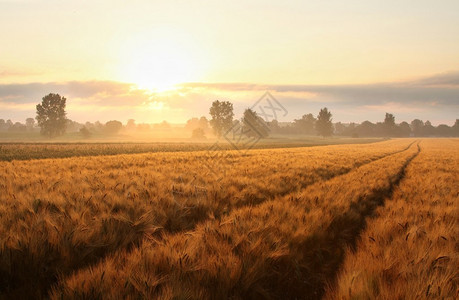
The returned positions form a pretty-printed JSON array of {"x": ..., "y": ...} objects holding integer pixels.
[
  {"x": 192, "y": 124},
  {"x": 203, "y": 123},
  {"x": 85, "y": 132},
  {"x": 254, "y": 125},
  {"x": 72, "y": 126},
  {"x": 274, "y": 126},
  {"x": 305, "y": 125},
  {"x": 113, "y": 127},
  {"x": 51, "y": 115},
  {"x": 30, "y": 122},
  {"x": 389, "y": 124},
  {"x": 222, "y": 116},
  {"x": 130, "y": 125},
  {"x": 98, "y": 126},
  {"x": 404, "y": 129},
  {"x": 324, "y": 124},
  {"x": 416, "y": 127},
  {"x": 366, "y": 129},
  {"x": 18, "y": 127},
  {"x": 349, "y": 130},
  {"x": 340, "y": 129},
  {"x": 455, "y": 128},
  {"x": 198, "y": 133},
  {"x": 428, "y": 129},
  {"x": 443, "y": 130}
]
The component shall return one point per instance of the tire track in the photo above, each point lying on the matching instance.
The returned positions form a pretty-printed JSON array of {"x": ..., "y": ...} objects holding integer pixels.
[
  {"x": 324, "y": 178},
  {"x": 255, "y": 203},
  {"x": 303, "y": 270},
  {"x": 102, "y": 253},
  {"x": 343, "y": 232}
]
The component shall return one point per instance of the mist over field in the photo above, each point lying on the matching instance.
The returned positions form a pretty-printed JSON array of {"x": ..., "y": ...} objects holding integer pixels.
[{"x": 239, "y": 150}]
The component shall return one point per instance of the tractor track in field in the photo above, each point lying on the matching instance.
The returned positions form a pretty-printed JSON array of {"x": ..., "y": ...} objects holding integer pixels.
[
  {"x": 261, "y": 201},
  {"x": 51, "y": 280},
  {"x": 320, "y": 254},
  {"x": 244, "y": 204},
  {"x": 193, "y": 213},
  {"x": 342, "y": 233}
]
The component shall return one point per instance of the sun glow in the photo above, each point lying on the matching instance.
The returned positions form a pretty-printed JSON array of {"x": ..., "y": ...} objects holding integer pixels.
[
  {"x": 154, "y": 105},
  {"x": 159, "y": 62}
]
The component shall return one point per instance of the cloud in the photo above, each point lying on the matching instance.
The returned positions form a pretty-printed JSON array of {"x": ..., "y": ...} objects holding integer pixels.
[
  {"x": 442, "y": 89},
  {"x": 33, "y": 92},
  {"x": 434, "y": 98},
  {"x": 449, "y": 79}
]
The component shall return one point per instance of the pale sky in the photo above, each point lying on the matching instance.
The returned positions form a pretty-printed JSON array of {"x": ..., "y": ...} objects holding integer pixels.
[{"x": 135, "y": 59}]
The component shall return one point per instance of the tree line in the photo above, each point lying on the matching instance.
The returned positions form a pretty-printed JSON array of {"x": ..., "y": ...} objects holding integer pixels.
[
  {"x": 308, "y": 124},
  {"x": 51, "y": 119}
]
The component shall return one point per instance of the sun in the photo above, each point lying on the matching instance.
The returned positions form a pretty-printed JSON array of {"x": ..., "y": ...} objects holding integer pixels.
[{"x": 159, "y": 61}]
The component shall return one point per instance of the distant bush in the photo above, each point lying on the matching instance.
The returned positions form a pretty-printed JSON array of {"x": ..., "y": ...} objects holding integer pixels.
[
  {"x": 198, "y": 134},
  {"x": 85, "y": 132},
  {"x": 113, "y": 127}
]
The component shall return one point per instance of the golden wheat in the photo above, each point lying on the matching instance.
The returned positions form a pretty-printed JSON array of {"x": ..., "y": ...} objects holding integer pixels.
[
  {"x": 227, "y": 224},
  {"x": 284, "y": 247},
  {"x": 411, "y": 250}
]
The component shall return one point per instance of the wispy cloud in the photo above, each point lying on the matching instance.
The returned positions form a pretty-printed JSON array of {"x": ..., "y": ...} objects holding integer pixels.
[
  {"x": 448, "y": 79},
  {"x": 435, "y": 98},
  {"x": 442, "y": 89}
]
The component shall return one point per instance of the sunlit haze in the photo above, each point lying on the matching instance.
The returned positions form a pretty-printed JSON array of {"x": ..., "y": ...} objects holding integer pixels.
[
  {"x": 168, "y": 60},
  {"x": 244, "y": 149}
]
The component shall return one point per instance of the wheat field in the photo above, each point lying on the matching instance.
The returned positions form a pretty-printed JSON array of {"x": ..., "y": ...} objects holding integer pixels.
[
  {"x": 342, "y": 221},
  {"x": 411, "y": 249}
]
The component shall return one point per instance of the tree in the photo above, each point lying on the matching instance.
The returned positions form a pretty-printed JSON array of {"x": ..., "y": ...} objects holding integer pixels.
[
  {"x": 389, "y": 124},
  {"x": 455, "y": 128},
  {"x": 443, "y": 130},
  {"x": 72, "y": 126},
  {"x": 192, "y": 124},
  {"x": 130, "y": 125},
  {"x": 350, "y": 130},
  {"x": 222, "y": 116},
  {"x": 340, "y": 128},
  {"x": 274, "y": 126},
  {"x": 366, "y": 129},
  {"x": 305, "y": 125},
  {"x": 30, "y": 122},
  {"x": 405, "y": 129},
  {"x": 85, "y": 132},
  {"x": 51, "y": 115},
  {"x": 198, "y": 133},
  {"x": 324, "y": 124},
  {"x": 428, "y": 129},
  {"x": 98, "y": 126},
  {"x": 417, "y": 127},
  {"x": 203, "y": 123},
  {"x": 113, "y": 127},
  {"x": 254, "y": 125},
  {"x": 18, "y": 127}
]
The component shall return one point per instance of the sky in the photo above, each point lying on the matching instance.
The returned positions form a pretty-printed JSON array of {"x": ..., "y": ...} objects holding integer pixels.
[{"x": 168, "y": 60}]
